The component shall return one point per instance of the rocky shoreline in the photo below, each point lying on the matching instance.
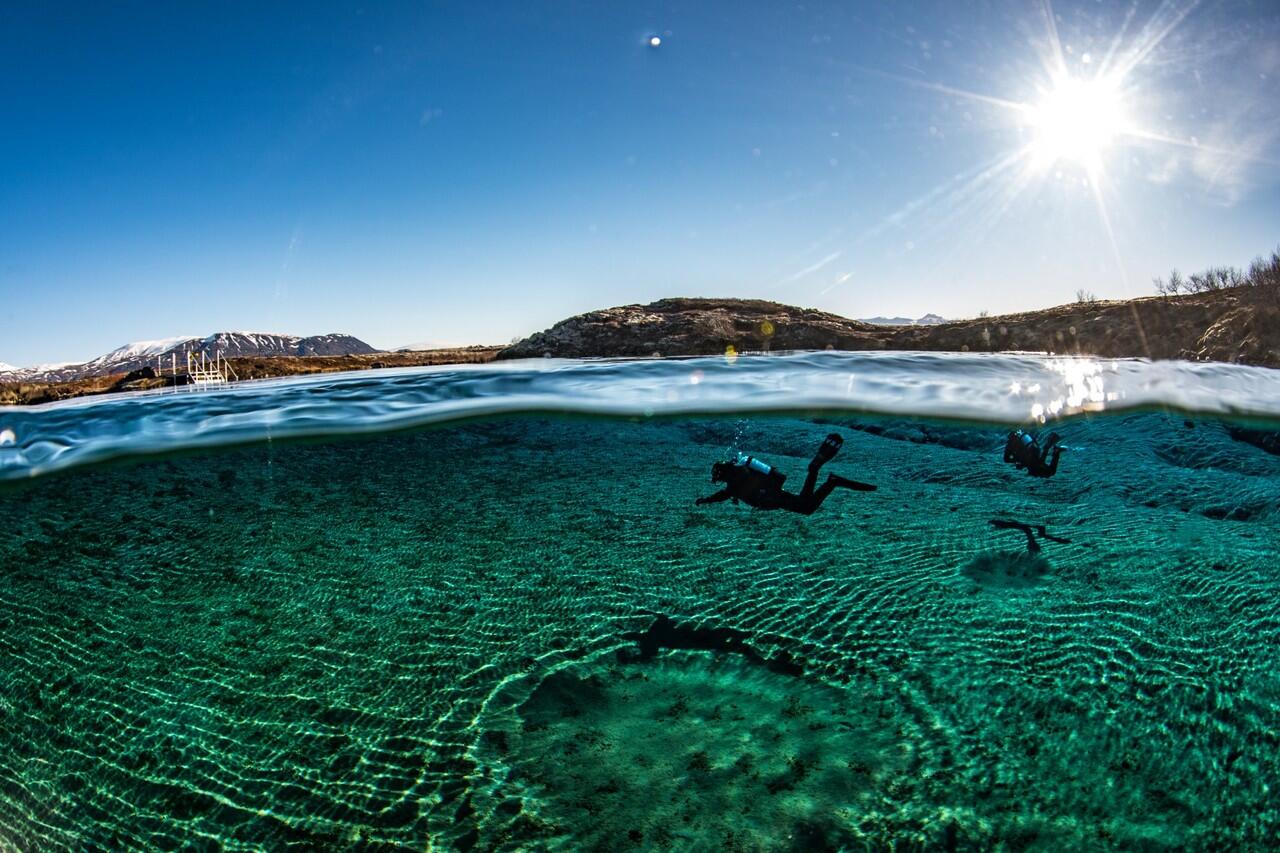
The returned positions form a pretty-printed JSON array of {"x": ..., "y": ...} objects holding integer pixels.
[{"x": 1238, "y": 325}]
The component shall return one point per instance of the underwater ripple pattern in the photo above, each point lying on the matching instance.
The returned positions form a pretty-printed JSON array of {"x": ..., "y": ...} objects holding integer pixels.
[{"x": 353, "y": 644}]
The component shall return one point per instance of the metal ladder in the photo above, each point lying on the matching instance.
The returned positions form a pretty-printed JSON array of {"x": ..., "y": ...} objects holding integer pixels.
[{"x": 206, "y": 372}]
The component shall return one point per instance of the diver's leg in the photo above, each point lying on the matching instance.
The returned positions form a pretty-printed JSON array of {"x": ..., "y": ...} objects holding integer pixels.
[
  {"x": 806, "y": 503},
  {"x": 806, "y": 491},
  {"x": 850, "y": 484},
  {"x": 1052, "y": 467},
  {"x": 828, "y": 487}
]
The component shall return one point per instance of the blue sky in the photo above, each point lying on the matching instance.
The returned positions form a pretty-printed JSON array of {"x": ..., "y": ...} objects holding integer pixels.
[{"x": 472, "y": 172}]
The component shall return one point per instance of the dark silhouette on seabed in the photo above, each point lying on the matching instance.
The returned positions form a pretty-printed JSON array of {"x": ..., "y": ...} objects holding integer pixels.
[
  {"x": 1024, "y": 451},
  {"x": 1032, "y": 530},
  {"x": 666, "y": 633},
  {"x": 759, "y": 485}
]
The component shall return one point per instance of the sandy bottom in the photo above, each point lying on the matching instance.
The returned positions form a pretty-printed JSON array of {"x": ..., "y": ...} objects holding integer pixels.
[{"x": 523, "y": 634}]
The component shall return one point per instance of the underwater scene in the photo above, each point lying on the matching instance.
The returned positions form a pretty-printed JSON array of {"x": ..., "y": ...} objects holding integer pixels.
[{"x": 482, "y": 609}]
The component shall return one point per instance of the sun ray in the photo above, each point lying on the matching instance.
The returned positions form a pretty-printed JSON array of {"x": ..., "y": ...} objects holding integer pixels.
[
  {"x": 960, "y": 186},
  {"x": 1194, "y": 145},
  {"x": 940, "y": 88},
  {"x": 1149, "y": 41},
  {"x": 1095, "y": 186},
  {"x": 1059, "y": 60},
  {"x": 1104, "y": 66},
  {"x": 981, "y": 202},
  {"x": 983, "y": 212}
]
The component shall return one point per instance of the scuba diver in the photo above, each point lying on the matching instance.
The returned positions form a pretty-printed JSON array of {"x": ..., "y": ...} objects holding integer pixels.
[
  {"x": 1033, "y": 547},
  {"x": 760, "y": 485},
  {"x": 1024, "y": 451}
]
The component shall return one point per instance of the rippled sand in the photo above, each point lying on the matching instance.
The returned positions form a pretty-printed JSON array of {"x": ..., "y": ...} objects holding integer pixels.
[{"x": 449, "y": 637}]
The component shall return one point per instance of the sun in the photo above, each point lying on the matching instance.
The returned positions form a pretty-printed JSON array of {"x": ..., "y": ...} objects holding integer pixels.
[{"x": 1076, "y": 121}]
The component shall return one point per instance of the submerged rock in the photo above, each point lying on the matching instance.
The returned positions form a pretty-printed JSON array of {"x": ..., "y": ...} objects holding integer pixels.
[
  {"x": 694, "y": 750},
  {"x": 1263, "y": 439}
]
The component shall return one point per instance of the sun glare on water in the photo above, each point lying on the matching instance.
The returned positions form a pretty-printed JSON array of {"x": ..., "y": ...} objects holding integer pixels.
[{"x": 1076, "y": 121}]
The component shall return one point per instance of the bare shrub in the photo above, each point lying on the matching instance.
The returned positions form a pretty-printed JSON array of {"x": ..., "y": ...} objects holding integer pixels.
[
  {"x": 1263, "y": 272},
  {"x": 1175, "y": 285}
]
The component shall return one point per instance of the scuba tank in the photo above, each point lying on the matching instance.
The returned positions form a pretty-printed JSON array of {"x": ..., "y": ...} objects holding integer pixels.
[
  {"x": 754, "y": 464},
  {"x": 760, "y": 467}
]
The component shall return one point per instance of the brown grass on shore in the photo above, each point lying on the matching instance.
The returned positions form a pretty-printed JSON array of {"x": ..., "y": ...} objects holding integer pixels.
[{"x": 31, "y": 393}]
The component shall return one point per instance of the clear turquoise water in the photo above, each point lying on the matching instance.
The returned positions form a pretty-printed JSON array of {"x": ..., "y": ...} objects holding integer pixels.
[{"x": 435, "y": 636}]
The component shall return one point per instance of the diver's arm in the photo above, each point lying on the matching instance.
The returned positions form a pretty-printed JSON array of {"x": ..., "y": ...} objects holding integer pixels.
[{"x": 722, "y": 495}]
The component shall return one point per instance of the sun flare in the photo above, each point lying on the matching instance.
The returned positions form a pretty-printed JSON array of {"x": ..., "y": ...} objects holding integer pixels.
[{"x": 1076, "y": 121}]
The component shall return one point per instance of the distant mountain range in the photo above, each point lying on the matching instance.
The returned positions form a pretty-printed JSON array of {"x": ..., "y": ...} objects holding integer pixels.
[
  {"x": 140, "y": 354},
  {"x": 423, "y": 346},
  {"x": 926, "y": 320}
]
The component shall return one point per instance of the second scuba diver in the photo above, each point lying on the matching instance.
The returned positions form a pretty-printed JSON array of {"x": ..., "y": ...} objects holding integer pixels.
[
  {"x": 760, "y": 485},
  {"x": 1025, "y": 452}
]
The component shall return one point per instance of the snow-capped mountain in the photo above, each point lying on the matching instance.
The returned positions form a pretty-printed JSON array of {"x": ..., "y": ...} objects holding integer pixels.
[
  {"x": 9, "y": 373},
  {"x": 926, "y": 320},
  {"x": 138, "y": 352},
  {"x": 238, "y": 344},
  {"x": 168, "y": 351}
]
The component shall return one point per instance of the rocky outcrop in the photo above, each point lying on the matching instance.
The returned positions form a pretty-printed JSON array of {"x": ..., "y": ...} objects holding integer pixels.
[
  {"x": 1226, "y": 325},
  {"x": 1246, "y": 335},
  {"x": 696, "y": 327},
  {"x": 1238, "y": 325},
  {"x": 136, "y": 380}
]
